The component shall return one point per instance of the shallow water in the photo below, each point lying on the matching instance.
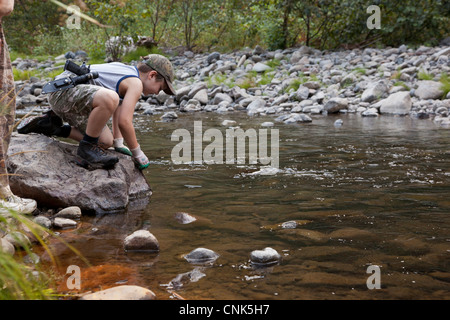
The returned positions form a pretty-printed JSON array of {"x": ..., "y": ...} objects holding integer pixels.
[{"x": 374, "y": 191}]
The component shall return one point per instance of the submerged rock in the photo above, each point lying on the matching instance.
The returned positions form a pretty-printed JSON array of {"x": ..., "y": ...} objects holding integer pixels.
[
  {"x": 184, "y": 218},
  {"x": 44, "y": 169},
  {"x": 187, "y": 277},
  {"x": 286, "y": 225},
  {"x": 201, "y": 255},
  {"x": 268, "y": 256}
]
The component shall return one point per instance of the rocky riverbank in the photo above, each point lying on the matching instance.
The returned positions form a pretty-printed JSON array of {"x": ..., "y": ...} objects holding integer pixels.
[{"x": 293, "y": 85}]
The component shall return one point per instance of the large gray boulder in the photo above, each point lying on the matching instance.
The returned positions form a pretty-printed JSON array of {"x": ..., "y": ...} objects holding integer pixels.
[
  {"x": 44, "y": 169},
  {"x": 429, "y": 89},
  {"x": 397, "y": 104},
  {"x": 374, "y": 91}
]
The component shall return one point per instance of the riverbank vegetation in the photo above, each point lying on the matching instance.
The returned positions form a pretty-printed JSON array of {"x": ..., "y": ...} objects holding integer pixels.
[{"x": 39, "y": 27}]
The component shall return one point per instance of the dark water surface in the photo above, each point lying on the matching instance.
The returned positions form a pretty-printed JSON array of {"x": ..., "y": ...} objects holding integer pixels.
[{"x": 374, "y": 191}]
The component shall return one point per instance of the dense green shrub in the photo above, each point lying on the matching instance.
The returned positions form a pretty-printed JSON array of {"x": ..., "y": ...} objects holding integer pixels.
[{"x": 38, "y": 27}]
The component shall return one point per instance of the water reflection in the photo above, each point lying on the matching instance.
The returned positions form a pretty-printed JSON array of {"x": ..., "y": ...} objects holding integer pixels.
[{"x": 374, "y": 191}]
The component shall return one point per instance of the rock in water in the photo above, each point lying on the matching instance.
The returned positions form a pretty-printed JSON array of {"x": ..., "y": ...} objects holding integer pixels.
[
  {"x": 125, "y": 292},
  {"x": 141, "y": 240},
  {"x": 268, "y": 256},
  {"x": 44, "y": 169},
  {"x": 201, "y": 255},
  {"x": 184, "y": 218}
]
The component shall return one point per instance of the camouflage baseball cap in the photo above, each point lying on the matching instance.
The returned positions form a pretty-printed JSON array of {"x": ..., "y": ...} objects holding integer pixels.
[{"x": 163, "y": 66}]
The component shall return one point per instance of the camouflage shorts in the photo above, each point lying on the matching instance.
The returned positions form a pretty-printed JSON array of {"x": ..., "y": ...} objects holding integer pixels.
[{"x": 74, "y": 105}]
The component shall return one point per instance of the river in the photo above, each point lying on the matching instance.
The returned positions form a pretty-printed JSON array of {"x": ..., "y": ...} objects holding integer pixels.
[{"x": 372, "y": 192}]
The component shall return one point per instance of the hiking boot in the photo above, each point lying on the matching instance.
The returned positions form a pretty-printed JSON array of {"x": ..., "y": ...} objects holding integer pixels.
[
  {"x": 92, "y": 156},
  {"x": 17, "y": 205},
  {"x": 48, "y": 124}
]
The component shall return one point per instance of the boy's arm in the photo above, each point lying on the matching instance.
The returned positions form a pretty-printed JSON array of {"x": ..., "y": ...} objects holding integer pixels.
[
  {"x": 131, "y": 89},
  {"x": 6, "y": 7}
]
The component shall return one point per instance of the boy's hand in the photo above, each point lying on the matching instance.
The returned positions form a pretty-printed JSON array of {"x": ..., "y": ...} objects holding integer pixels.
[
  {"x": 140, "y": 159},
  {"x": 120, "y": 147}
]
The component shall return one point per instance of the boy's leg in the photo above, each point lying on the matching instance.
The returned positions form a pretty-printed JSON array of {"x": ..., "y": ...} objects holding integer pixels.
[
  {"x": 104, "y": 104},
  {"x": 105, "y": 141}
]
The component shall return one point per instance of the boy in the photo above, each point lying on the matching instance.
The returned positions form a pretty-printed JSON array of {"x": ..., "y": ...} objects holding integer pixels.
[
  {"x": 8, "y": 201},
  {"x": 88, "y": 107}
]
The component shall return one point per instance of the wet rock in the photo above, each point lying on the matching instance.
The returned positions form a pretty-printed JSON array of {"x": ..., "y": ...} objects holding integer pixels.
[
  {"x": 286, "y": 225},
  {"x": 371, "y": 112},
  {"x": 125, "y": 292},
  {"x": 184, "y": 218},
  {"x": 47, "y": 172},
  {"x": 6, "y": 246},
  {"x": 268, "y": 256},
  {"x": 222, "y": 97},
  {"x": 256, "y": 105},
  {"x": 352, "y": 234},
  {"x": 298, "y": 117},
  {"x": 141, "y": 240},
  {"x": 187, "y": 277},
  {"x": 64, "y": 223},
  {"x": 18, "y": 239},
  {"x": 43, "y": 221},
  {"x": 228, "y": 123},
  {"x": 334, "y": 105},
  {"x": 201, "y": 256},
  {"x": 168, "y": 116},
  {"x": 73, "y": 213},
  {"x": 267, "y": 124}
]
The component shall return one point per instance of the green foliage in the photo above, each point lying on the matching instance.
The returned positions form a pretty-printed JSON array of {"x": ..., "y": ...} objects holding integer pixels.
[
  {"x": 422, "y": 75},
  {"x": 38, "y": 27},
  {"x": 27, "y": 74},
  {"x": 401, "y": 84},
  {"x": 19, "y": 281},
  {"x": 445, "y": 81},
  {"x": 138, "y": 53}
]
